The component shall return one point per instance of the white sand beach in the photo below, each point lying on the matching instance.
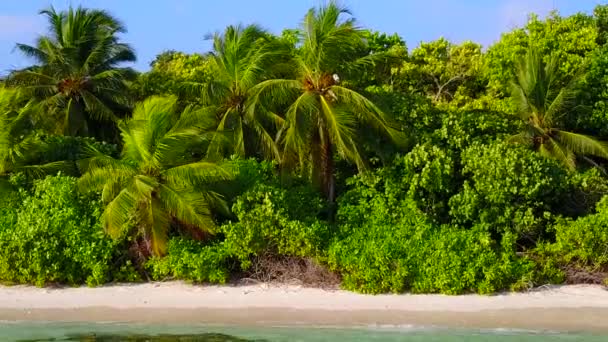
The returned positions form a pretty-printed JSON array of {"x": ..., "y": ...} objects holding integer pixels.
[{"x": 562, "y": 308}]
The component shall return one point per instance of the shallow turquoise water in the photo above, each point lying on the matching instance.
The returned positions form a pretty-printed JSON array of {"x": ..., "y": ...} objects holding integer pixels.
[{"x": 39, "y": 332}]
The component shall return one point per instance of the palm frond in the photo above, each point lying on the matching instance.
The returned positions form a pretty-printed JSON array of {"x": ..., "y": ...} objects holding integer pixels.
[
  {"x": 553, "y": 149},
  {"x": 173, "y": 148},
  {"x": 520, "y": 138},
  {"x": 210, "y": 92},
  {"x": 201, "y": 118},
  {"x": 340, "y": 124},
  {"x": 119, "y": 212},
  {"x": 157, "y": 225},
  {"x": 144, "y": 186},
  {"x": 31, "y": 78},
  {"x": 194, "y": 174},
  {"x": 96, "y": 108},
  {"x": 518, "y": 94},
  {"x": 98, "y": 178},
  {"x": 266, "y": 142},
  {"x": 151, "y": 120},
  {"x": 110, "y": 190},
  {"x": 52, "y": 168},
  {"x": 37, "y": 54},
  {"x": 370, "y": 113},
  {"x": 563, "y": 101},
  {"x": 276, "y": 92},
  {"x": 189, "y": 207},
  {"x": 300, "y": 121},
  {"x": 583, "y": 144}
]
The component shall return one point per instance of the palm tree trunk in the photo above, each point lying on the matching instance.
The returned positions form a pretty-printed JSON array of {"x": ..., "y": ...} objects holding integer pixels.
[
  {"x": 75, "y": 122},
  {"x": 327, "y": 171}
]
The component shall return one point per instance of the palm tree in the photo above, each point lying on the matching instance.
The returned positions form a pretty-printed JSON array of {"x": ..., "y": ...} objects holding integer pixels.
[
  {"x": 241, "y": 58},
  {"x": 324, "y": 116},
  {"x": 158, "y": 180},
  {"x": 20, "y": 147},
  {"x": 77, "y": 75},
  {"x": 540, "y": 103}
]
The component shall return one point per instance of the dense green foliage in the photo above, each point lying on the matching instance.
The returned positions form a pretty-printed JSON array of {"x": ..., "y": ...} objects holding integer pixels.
[
  {"x": 394, "y": 248},
  {"x": 582, "y": 242},
  {"x": 330, "y": 149},
  {"x": 508, "y": 189},
  {"x": 276, "y": 221},
  {"x": 189, "y": 260},
  {"x": 52, "y": 234}
]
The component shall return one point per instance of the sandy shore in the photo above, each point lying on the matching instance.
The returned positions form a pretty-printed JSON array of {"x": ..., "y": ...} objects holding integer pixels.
[{"x": 565, "y": 308}]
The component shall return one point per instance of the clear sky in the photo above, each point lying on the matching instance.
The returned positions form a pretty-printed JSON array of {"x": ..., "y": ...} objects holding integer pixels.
[{"x": 158, "y": 25}]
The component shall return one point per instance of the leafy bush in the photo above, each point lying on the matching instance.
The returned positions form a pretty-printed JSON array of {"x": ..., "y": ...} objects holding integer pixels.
[
  {"x": 509, "y": 189},
  {"x": 277, "y": 221},
  {"x": 192, "y": 261},
  {"x": 170, "y": 69},
  {"x": 581, "y": 243},
  {"x": 8, "y": 214},
  {"x": 592, "y": 97},
  {"x": 397, "y": 249},
  {"x": 461, "y": 128},
  {"x": 427, "y": 175},
  {"x": 415, "y": 113},
  {"x": 588, "y": 188},
  {"x": 54, "y": 236}
]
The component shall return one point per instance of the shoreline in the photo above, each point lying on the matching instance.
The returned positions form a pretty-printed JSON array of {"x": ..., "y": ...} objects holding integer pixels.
[{"x": 570, "y": 308}]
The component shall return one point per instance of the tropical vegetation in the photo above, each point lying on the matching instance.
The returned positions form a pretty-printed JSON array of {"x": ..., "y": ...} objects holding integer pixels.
[
  {"x": 328, "y": 154},
  {"x": 77, "y": 77}
]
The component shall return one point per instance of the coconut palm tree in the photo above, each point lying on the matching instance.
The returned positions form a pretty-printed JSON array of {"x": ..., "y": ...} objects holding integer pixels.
[
  {"x": 242, "y": 57},
  {"x": 323, "y": 115},
  {"x": 77, "y": 74},
  {"x": 159, "y": 181},
  {"x": 20, "y": 147},
  {"x": 540, "y": 104}
]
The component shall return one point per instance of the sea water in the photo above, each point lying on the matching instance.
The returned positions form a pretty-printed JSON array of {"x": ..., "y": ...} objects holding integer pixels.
[{"x": 107, "y": 332}]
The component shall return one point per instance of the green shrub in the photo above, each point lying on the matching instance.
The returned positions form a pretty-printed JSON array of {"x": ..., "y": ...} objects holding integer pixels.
[
  {"x": 54, "y": 236},
  {"x": 508, "y": 189},
  {"x": 461, "y": 128},
  {"x": 8, "y": 215},
  {"x": 192, "y": 261},
  {"x": 425, "y": 175},
  {"x": 415, "y": 113},
  {"x": 581, "y": 243},
  {"x": 389, "y": 245},
  {"x": 277, "y": 221},
  {"x": 588, "y": 188}
]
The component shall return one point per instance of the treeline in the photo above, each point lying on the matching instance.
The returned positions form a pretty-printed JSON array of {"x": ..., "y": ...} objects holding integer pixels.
[{"x": 327, "y": 154}]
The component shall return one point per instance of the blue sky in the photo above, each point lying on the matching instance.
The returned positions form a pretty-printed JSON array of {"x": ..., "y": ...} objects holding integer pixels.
[{"x": 155, "y": 26}]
